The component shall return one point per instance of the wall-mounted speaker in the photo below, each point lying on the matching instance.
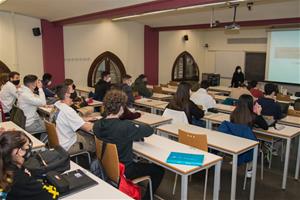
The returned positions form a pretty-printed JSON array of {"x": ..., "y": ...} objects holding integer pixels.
[
  {"x": 36, "y": 31},
  {"x": 185, "y": 37}
]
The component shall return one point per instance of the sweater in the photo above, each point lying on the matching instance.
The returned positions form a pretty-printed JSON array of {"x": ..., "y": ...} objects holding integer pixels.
[
  {"x": 100, "y": 89},
  {"x": 237, "y": 79},
  {"x": 122, "y": 133}
]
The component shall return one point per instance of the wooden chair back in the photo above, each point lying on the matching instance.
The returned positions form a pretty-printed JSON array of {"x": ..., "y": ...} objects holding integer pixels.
[
  {"x": 198, "y": 141},
  {"x": 294, "y": 112},
  {"x": 157, "y": 89},
  {"x": 281, "y": 97},
  {"x": 110, "y": 159},
  {"x": 52, "y": 134},
  {"x": 173, "y": 83}
]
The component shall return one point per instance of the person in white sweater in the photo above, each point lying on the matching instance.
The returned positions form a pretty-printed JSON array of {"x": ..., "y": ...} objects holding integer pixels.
[
  {"x": 29, "y": 102},
  {"x": 201, "y": 97}
]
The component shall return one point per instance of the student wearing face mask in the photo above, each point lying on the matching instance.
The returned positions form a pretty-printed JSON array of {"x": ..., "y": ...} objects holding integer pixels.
[
  {"x": 15, "y": 181},
  {"x": 47, "y": 80},
  {"x": 126, "y": 88},
  {"x": 9, "y": 92},
  {"x": 140, "y": 85},
  {"x": 70, "y": 83},
  {"x": 238, "y": 77},
  {"x": 30, "y": 102},
  {"x": 102, "y": 86}
]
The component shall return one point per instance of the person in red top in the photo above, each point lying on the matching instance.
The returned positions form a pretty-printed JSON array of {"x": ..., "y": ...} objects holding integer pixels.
[{"x": 255, "y": 91}]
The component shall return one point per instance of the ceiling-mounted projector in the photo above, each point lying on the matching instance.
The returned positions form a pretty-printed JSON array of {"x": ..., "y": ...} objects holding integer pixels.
[{"x": 233, "y": 26}]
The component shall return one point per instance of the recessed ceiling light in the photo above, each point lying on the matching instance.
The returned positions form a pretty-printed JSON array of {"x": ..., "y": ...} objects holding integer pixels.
[{"x": 2, "y": 1}]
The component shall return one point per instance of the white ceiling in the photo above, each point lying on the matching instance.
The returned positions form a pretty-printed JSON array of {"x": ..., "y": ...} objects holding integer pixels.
[
  {"x": 261, "y": 10},
  {"x": 62, "y": 9}
]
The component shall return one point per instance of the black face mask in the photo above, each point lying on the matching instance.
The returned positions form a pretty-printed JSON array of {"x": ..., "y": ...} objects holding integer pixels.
[{"x": 16, "y": 82}]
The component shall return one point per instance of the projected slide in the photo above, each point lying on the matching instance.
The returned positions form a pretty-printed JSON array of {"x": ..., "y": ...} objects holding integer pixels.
[{"x": 283, "y": 64}]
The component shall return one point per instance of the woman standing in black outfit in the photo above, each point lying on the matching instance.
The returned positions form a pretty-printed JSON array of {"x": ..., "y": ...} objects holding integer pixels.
[{"x": 238, "y": 77}]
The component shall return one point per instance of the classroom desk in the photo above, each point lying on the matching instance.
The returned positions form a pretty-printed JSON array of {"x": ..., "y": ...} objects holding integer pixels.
[
  {"x": 159, "y": 96},
  {"x": 36, "y": 144},
  {"x": 224, "y": 108},
  {"x": 223, "y": 89},
  {"x": 169, "y": 90},
  {"x": 160, "y": 107},
  {"x": 157, "y": 149},
  {"x": 220, "y": 97},
  {"x": 288, "y": 133},
  {"x": 291, "y": 121},
  {"x": 152, "y": 119},
  {"x": 100, "y": 191},
  {"x": 95, "y": 103},
  {"x": 148, "y": 103},
  {"x": 226, "y": 143},
  {"x": 84, "y": 89}
]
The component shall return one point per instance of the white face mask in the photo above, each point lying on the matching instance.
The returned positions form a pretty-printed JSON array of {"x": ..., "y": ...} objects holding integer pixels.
[
  {"x": 239, "y": 71},
  {"x": 49, "y": 83},
  {"x": 108, "y": 79}
]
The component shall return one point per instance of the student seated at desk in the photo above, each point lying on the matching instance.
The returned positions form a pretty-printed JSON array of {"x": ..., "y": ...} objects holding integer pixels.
[
  {"x": 15, "y": 181},
  {"x": 30, "y": 102},
  {"x": 102, "y": 86},
  {"x": 201, "y": 97},
  {"x": 68, "y": 122},
  {"x": 140, "y": 85},
  {"x": 248, "y": 113},
  {"x": 182, "y": 102},
  {"x": 268, "y": 103},
  {"x": 254, "y": 89},
  {"x": 8, "y": 93},
  {"x": 126, "y": 88},
  {"x": 47, "y": 80},
  {"x": 237, "y": 92},
  {"x": 122, "y": 133},
  {"x": 70, "y": 83}
]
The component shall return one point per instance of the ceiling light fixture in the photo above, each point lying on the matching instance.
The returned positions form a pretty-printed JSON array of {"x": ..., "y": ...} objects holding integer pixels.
[
  {"x": 202, "y": 6},
  {"x": 2, "y": 1}
]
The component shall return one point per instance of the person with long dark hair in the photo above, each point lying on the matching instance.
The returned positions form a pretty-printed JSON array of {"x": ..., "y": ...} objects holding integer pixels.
[
  {"x": 238, "y": 77},
  {"x": 15, "y": 181},
  {"x": 140, "y": 86},
  {"x": 182, "y": 102},
  {"x": 248, "y": 113}
]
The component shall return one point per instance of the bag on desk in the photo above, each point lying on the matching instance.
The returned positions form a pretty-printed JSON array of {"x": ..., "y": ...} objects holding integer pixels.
[{"x": 41, "y": 162}]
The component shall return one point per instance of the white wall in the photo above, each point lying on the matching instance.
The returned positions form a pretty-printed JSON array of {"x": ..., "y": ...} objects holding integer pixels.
[
  {"x": 83, "y": 43},
  {"x": 19, "y": 49},
  {"x": 171, "y": 44}
]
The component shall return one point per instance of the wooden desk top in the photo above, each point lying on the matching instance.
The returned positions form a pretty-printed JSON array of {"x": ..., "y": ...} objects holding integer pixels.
[
  {"x": 220, "y": 88},
  {"x": 287, "y": 131},
  {"x": 224, "y": 108},
  {"x": 291, "y": 120},
  {"x": 229, "y": 143},
  {"x": 157, "y": 149},
  {"x": 161, "y": 106},
  {"x": 160, "y": 96},
  {"x": 152, "y": 119},
  {"x": 36, "y": 144},
  {"x": 96, "y": 103},
  {"x": 45, "y": 110},
  {"x": 101, "y": 191},
  {"x": 85, "y": 89},
  {"x": 169, "y": 90},
  {"x": 148, "y": 102},
  {"x": 220, "y": 97}
]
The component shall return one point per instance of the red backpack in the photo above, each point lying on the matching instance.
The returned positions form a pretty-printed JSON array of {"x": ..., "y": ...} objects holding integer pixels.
[{"x": 127, "y": 186}]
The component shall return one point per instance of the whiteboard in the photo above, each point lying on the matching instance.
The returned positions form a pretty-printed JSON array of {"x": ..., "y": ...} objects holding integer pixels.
[{"x": 226, "y": 62}]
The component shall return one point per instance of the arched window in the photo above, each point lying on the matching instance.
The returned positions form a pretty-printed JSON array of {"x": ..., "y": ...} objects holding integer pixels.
[
  {"x": 185, "y": 68},
  {"x": 107, "y": 61},
  {"x": 3, "y": 68}
]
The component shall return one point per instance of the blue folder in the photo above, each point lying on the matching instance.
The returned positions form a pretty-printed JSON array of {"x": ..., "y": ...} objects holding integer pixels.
[{"x": 185, "y": 159}]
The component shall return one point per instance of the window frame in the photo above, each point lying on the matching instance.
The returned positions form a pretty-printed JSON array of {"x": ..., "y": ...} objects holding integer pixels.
[
  {"x": 4, "y": 68},
  {"x": 183, "y": 55},
  {"x": 106, "y": 56}
]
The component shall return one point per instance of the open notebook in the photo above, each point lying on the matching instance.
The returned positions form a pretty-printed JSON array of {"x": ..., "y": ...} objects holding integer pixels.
[{"x": 185, "y": 159}]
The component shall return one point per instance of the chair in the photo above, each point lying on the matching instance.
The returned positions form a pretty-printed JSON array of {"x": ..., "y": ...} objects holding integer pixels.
[
  {"x": 281, "y": 97},
  {"x": 173, "y": 83},
  {"x": 110, "y": 163},
  {"x": 177, "y": 116},
  {"x": 157, "y": 89},
  {"x": 294, "y": 112},
  {"x": 198, "y": 141},
  {"x": 297, "y": 105},
  {"x": 18, "y": 116},
  {"x": 53, "y": 140},
  {"x": 163, "y": 85}
]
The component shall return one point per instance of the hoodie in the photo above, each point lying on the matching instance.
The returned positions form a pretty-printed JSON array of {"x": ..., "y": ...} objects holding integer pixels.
[{"x": 122, "y": 133}]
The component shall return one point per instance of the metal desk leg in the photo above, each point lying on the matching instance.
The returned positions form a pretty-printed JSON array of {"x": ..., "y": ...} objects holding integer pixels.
[
  {"x": 286, "y": 163},
  {"x": 217, "y": 180},
  {"x": 184, "y": 187},
  {"x": 233, "y": 176},
  {"x": 253, "y": 178},
  {"x": 208, "y": 124},
  {"x": 298, "y": 160}
]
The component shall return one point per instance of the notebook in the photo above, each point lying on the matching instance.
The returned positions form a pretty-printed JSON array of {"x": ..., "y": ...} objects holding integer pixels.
[{"x": 185, "y": 159}]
